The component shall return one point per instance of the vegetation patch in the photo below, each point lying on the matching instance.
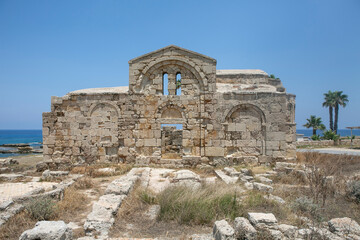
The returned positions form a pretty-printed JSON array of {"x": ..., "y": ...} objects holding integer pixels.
[
  {"x": 42, "y": 208},
  {"x": 17, "y": 225},
  {"x": 84, "y": 183},
  {"x": 93, "y": 170},
  {"x": 72, "y": 203},
  {"x": 187, "y": 205}
]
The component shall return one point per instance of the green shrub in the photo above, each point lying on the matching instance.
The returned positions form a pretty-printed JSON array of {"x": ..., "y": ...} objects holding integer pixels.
[
  {"x": 147, "y": 197},
  {"x": 315, "y": 137},
  {"x": 256, "y": 202},
  {"x": 42, "y": 208},
  {"x": 354, "y": 190},
  {"x": 308, "y": 207},
  {"x": 199, "y": 206},
  {"x": 330, "y": 135}
]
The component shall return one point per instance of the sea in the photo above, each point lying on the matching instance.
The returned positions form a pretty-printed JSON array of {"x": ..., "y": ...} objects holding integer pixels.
[
  {"x": 31, "y": 137},
  {"x": 34, "y": 137}
]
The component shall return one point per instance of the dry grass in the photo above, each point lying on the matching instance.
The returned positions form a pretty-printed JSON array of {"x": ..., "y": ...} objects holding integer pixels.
[
  {"x": 292, "y": 178},
  {"x": 326, "y": 186},
  {"x": 68, "y": 209},
  {"x": 84, "y": 183},
  {"x": 16, "y": 226},
  {"x": 72, "y": 205},
  {"x": 254, "y": 169},
  {"x": 256, "y": 202},
  {"x": 345, "y": 164},
  {"x": 93, "y": 170}
]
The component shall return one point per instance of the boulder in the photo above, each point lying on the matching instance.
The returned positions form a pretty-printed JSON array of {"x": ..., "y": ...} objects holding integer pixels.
[
  {"x": 223, "y": 231},
  {"x": 121, "y": 186},
  {"x": 275, "y": 198},
  {"x": 186, "y": 178},
  {"x": 284, "y": 167},
  {"x": 344, "y": 225},
  {"x": 249, "y": 186},
  {"x": 110, "y": 202},
  {"x": 48, "y": 230},
  {"x": 8, "y": 161},
  {"x": 275, "y": 234},
  {"x": 231, "y": 172},
  {"x": 247, "y": 179},
  {"x": 262, "y": 187},
  {"x": 51, "y": 174},
  {"x": 41, "y": 166},
  {"x": 265, "y": 218},
  {"x": 264, "y": 179},
  {"x": 246, "y": 171},
  {"x": 243, "y": 229},
  {"x": 227, "y": 179},
  {"x": 27, "y": 149},
  {"x": 288, "y": 230},
  {"x": 4, "y": 205},
  {"x": 11, "y": 176},
  {"x": 106, "y": 170}
]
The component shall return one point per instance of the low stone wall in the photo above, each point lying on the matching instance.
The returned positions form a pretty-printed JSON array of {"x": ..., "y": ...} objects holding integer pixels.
[{"x": 324, "y": 143}]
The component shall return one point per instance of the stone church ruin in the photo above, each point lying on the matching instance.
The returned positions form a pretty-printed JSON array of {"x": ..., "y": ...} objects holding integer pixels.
[{"x": 178, "y": 110}]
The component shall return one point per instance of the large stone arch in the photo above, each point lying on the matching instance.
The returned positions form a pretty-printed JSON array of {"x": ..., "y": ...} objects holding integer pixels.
[
  {"x": 236, "y": 108},
  {"x": 146, "y": 80},
  {"x": 163, "y": 112},
  {"x": 246, "y": 127},
  {"x": 96, "y": 106},
  {"x": 103, "y": 133}
]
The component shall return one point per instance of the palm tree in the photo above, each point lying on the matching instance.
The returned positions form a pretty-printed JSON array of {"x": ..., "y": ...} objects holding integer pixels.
[
  {"x": 340, "y": 99},
  {"x": 329, "y": 102},
  {"x": 315, "y": 123}
]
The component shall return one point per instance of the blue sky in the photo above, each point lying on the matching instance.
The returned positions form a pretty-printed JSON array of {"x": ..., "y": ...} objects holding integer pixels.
[{"x": 49, "y": 48}]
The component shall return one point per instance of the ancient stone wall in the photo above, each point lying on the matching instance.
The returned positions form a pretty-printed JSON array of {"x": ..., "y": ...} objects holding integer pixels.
[{"x": 221, "y": 123}]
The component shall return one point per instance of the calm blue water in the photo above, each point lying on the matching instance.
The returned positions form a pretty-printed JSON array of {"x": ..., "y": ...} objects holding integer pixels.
[
  {"x": 32, "y": 137},
  {"x": 20, "y": 136},
  {"x": 342, "y": 132}
]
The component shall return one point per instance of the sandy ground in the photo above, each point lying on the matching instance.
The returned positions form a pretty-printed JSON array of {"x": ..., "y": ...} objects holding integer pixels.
[
  {"x": 10, "y": 190},
  {"x": 332, "y": 151}
]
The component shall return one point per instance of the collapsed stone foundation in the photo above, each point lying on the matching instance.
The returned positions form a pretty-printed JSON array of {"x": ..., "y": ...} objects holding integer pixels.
[{"x": 220, "y": 116}]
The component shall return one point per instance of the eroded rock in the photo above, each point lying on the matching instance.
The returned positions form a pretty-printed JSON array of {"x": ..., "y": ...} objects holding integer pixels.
[
  {"x": 265, "y": 218},
  {"x": 48, "y": 230},
  {"x": 243, "y": 229},
  {"x": 223, "y": 231}
]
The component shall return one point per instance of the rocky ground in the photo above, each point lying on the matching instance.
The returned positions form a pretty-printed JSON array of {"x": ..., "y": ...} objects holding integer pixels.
[{"x": 314, "y": 198}]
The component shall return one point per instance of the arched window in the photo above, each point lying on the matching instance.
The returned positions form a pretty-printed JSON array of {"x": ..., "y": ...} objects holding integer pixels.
[
  {"x": 165, "y": 84},
  {"x": 178, "y": 84}
]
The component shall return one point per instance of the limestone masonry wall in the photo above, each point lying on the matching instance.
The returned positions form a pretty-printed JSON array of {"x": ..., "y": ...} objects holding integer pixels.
[{"x": 224, "y": 116}]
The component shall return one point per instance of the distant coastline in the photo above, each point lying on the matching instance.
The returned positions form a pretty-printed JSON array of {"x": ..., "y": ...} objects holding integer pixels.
[
  {"x": 34, "y": 136},
  {"x": 341, "y": 132}
]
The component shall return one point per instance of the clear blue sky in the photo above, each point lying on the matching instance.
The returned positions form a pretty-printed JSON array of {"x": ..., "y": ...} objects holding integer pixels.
[{"x": 49, "y": 48}]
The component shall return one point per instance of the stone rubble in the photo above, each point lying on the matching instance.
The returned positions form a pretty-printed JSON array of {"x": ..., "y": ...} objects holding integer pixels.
[
  {"x": 265, "y": 218},
  {"x": 48, "y": 230},
  {"x": 244, "y": 229},
  {"x": 8, "y": 162},
  {"x": 47, "y": 174},
  {"x": 223, "y": 231},
  {"x": 11, "y": 176},
  {"x": 102, "y": 217},
  {"x": 227, "y": 179},
  {"x": 339, "y": 228},
  {"x": 15, "y": 204},
  {"x": 263, "y": 187}
]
